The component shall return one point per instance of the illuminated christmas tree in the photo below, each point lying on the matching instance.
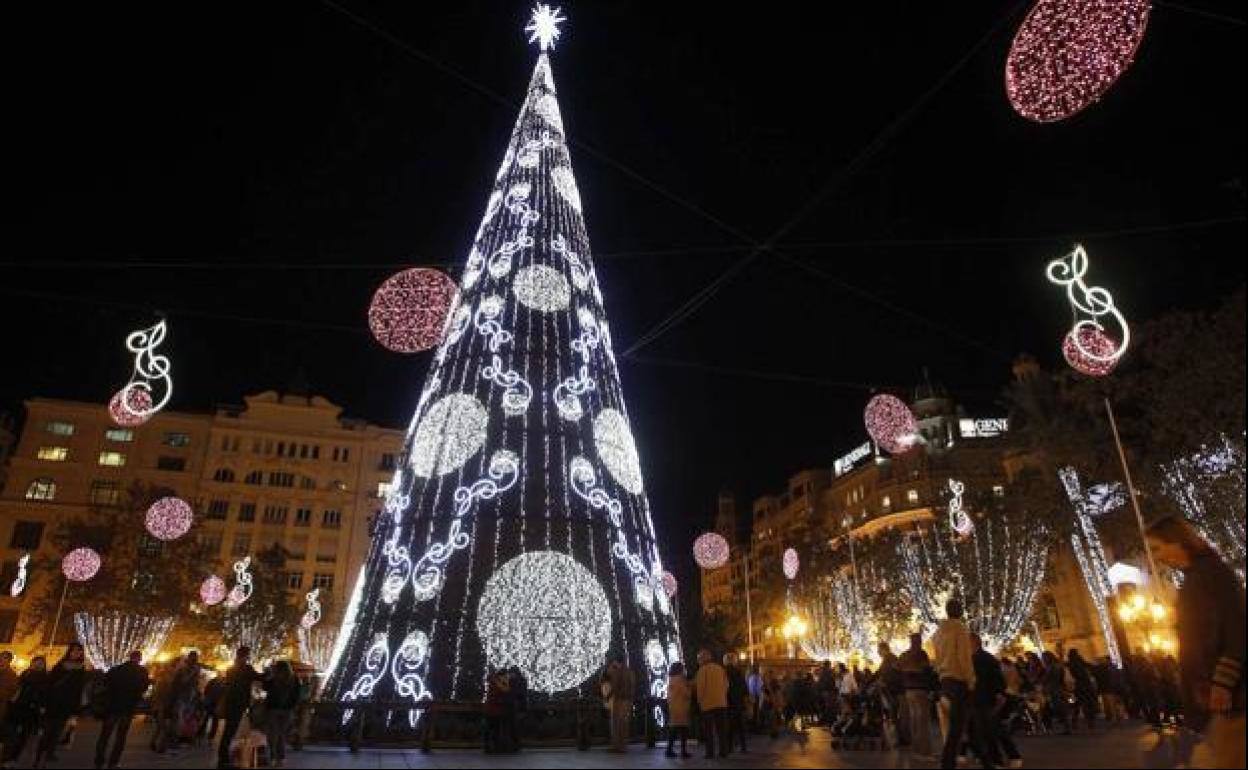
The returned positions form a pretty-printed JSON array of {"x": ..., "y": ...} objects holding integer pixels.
[{"x": 516, "y": 531}]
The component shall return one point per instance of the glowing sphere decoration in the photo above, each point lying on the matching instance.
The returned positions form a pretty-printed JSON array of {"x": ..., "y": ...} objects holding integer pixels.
[
  {"x": 212, "y": 591},
  {"x": 710, "y": 550},
  {"x": 1090, "y": 351},
  {"x": 791, "y": 563},
  {"x": 81, "y": 564},
  {"x": 891, "y": 424},
  {"x": 670, "y": 585},
  {"x": 409, "y": 310},
  {"x": 169, "y": 518},
  {"x": 134, "y": 412},
  {"x": 1068, "y": 53}
]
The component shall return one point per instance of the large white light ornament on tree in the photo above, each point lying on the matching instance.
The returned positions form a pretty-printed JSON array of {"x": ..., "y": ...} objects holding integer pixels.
[
  {"x": 81, "y": 564},
  {"x": 891, "y": 424},
  {"x": 1088, "y": 347},
  {"x": 151, "y": 385},
  {"x": 1068, "y": 53},
  {"x": 710, "y": 550},
  {"x": 617, "y": 449},
  {"x": 450, "y": 433},
  {"x": 543, "y": 26},
  {"x": 169, "y": 518},
  {"x": 409, "y": 310},
  {"x": 542, "y": 288},
  {"x": 545, "y": 613}
]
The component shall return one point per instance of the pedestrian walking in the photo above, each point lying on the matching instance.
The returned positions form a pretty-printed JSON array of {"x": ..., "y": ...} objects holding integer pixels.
[
  {"x": 1057, "y": 683},
  {"x": 988, "y": 703},
  {"x": 710, "y": 686},
  {"x": 755, "y": 686},
  {"x": 281, "y": 696},
  {"x": 952, "y": 645},
  {"x": 23, "y": 713},
  {"x": 737, "y": 695},
  {"x": 679, "y": 697},
  {"x": 497, "y": 689},
  {"x": 517, "y": 704},
  {"x": 235, "y": 701},
  {"x": 1086, "y": 696},
  {"x": 1210, "y": 615},
  {"x": 64, "y": 700},
  {"x": 8, "y": 683},
  {"x": 623, "y": 690},
  {"x": 916, "y": 679},
  {"x": 124, "y": 686},
  {"x": 212, "y": 702}
]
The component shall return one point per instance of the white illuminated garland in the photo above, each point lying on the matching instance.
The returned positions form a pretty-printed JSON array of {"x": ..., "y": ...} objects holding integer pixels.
[
  {"x": 150, "y": 374},
  {"x": 567, "y": 394},
  {"x": 584, "y": 482},
  {"x": 959, "y": 521},
  {"x": 19, "y": 583},
  {"x": 409, "y": 671},
  {"x": 312, "y": 615},
  {"x": 109, "y": 639},
  {"x": 1090, "y": 305},
  {"x": 376, "y": 661},
  {"x": 1208, "y": 487},
  {"x": 1092, "y": 562}
]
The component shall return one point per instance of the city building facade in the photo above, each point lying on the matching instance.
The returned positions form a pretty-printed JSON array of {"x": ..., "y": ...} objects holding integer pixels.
[{"x": 280, "y": 469}]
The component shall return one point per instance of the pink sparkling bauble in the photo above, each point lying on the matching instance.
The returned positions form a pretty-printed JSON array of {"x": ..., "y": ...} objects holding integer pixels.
[
  {"x": 1068, "y": 53},
  {"x": 409, "y": 310},
  {"x": 891, "y": 424},
  {"x": 791, "y": 563},
  {"x": 169, "y": 518},
  {"x": 1094, "y": 341},
  {"x": 212, "y": 591},
  {"x": 134, "y": 412},
  {"x": 710, "y": 550},
  {"x": 81, "y": 564},
  {"x": 669, "y": 584}
]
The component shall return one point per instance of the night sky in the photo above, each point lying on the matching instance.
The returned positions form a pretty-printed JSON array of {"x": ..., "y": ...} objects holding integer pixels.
[{"x": 254, "y": 170}]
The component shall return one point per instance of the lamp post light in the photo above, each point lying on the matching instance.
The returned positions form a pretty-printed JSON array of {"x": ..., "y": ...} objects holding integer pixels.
[{"x": 794, "y": 630}]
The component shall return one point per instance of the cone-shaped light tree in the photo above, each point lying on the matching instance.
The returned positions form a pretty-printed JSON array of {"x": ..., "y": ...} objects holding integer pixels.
[{"x": 517, "y": 532}]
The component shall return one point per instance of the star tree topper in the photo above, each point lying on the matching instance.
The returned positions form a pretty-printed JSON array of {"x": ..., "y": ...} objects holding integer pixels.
[{"x": 543, "y": 26}]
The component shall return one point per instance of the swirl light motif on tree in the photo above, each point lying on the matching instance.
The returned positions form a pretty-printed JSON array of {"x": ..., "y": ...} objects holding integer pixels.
[
  {"x": 891, "y": 424},
  {"x": 212, "y": 591},
  {"x": 1088, "y": 347},
  {"x": 312, "y": 615},
  {"x": 169, "y": 518},
  {"x": 81, "y": 564},
  {"x": 137, "y": 412},
  {"x": 150, "y": 376},
  {"x": 409, "y": 310},
  {"x": 710, "y": 550},
  {"x": 1068, "y": 53},
  {"x": 791, "y": 563},
  {"x": 959, "y": 521}
]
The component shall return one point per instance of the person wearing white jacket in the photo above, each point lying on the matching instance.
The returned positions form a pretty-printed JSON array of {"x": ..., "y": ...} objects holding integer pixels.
[{"x": 711, "y": 689}]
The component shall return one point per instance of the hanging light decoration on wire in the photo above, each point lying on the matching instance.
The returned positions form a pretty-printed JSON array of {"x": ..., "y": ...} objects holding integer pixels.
[
  {"x": 81, "y": 564},
  {"x": 791, "y": 563},
  {"x": 1068, "y": 53},
  {"x": 136, "y": 411},
  {"x": 1088, "y": 347},
  {"x": 409, "y": 310},
  {"x": 891, "y": 424},
  {"x": 212, "y": 591},
  {"x": 670, "y": 586},
  {"x": 151, "y": 385},
  {"x": 169, "y": 518},
  {"x": 710, "y": 550}
]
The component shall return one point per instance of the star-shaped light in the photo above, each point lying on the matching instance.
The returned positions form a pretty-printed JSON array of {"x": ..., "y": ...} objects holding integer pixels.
[{"x": 543, "y": 27}]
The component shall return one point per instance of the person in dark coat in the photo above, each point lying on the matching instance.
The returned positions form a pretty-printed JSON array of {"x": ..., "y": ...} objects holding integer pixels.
[
  {"x": 124, "y": 685},
  {"x": 518, "y": 703},
  {"x": 987, "y": 701},
  {"x": 1086, "y": 695},
  {"x": 235, "y": 700},
  {"x": 1210, "y": 615},
  {"x": 214, "y": 691},
  {"x": 67, "y": 680},
  {"x": 737, "y": 694},
  {"x": 281, "y": 696},
  {"x": 22, "y": 717}
]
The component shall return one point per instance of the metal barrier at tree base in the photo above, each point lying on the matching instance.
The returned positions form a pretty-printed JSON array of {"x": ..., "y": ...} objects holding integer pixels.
[{"x": 458, "y": 725}]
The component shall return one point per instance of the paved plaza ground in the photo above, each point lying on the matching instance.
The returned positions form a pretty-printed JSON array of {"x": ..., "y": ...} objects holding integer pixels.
[{"x": 1133, "y": 746}]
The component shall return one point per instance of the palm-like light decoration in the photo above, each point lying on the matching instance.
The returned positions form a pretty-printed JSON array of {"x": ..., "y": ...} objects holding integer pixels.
[{"x": 543, "y": 26}]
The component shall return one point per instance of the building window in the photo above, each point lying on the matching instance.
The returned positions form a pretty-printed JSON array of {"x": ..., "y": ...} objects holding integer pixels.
[
  {"x": 41, "y": 489},
  {"x": 886, "y": 502},
  {"x": 242, "y": 544},
  {"x": 275, "y": 514},
  {"x": 298, "y": 550},
  {"x": 246, "y": 511},
  {"x": 53, "y": 454},
  {"x": 60, "y": 428},
  {"x": 27, "y": 535},
  {"x": 303, "y": 517},
  {"x": 998, "y": 491},
  {"x": 383, "y": 489},
  {"x": 210, "y": 543},
  {"x": 1047, "y": 616},
  {"x": 331, "y": 519},
  {"x": 307, "y": 482},
  {"x": 388, "y": 461},
  {"x": 105, "y": 493},
  {"x": 316, "y": 451},
  {"x": 327, "y": 549},
  {"x": 281, "y": 479},
  {"x": 255, "y": 477},
  {"x": 112, "y": 459},
  {"x": 224, "y": 475},
  {"x": 218, "y": 509},
  {"x": 121, "y": 435},
  {"x": 323, "y": 581},
  {"x": 177, "y": 439},
  {"x": 912, "y": 496},
  {"x": 167, "y": 463},
  {"x": 294, "y": 580}
]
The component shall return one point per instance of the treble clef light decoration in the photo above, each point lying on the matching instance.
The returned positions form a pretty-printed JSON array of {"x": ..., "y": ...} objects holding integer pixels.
[
  {"x": 151, "y": 385},
  {"x": 1089, "y": 347},
  {"x": 958, "y": 518},
  {"x": 312, "y": 615},
  {"x": 243, "y": 588},
  {"x": 19, "y": 584}
]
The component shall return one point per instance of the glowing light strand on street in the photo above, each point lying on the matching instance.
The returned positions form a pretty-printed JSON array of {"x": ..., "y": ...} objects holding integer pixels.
[
  {"x": 109, "y": 639},
  {"x": 1092, "y": 562}
]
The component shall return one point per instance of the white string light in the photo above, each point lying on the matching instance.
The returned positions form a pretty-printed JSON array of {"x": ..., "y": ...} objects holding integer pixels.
[
  {"x": 109, "y": 639},
  {"x": 150, "y": 376},
  {"x": 959, "y": 521},
  {"x": 1088, "y": 346},
  {"x": 312, "y": 615},
  {"x": 1092, "y": 562},
  {"x": 1208, "y": 487},
  {"x": 19, "y": 582}
]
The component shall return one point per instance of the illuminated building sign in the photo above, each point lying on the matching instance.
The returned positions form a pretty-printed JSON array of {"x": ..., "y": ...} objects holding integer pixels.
[
  {"x": 983, "y": 428},
  {"x": 848, "y": 462}
]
